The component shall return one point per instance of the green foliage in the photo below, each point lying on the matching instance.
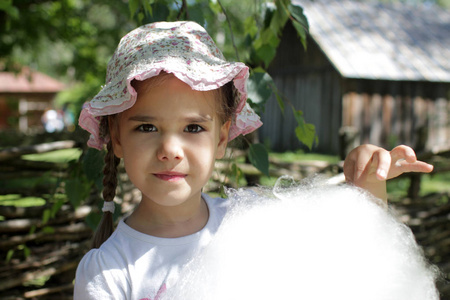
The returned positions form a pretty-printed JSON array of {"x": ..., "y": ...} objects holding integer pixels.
[
  {"x": 93, "y": 219},
  {"x": 305, "y": 132},
  {"x": 9, "y": 255},
  {"x": 260, "y": 87},
  {"x": 236, "y": 175},
  {"x": 259, "y": 157},
  {"x": 73, "y": 40},
  {"x": 92, "y": 164},
  {"x": 56, "y": 206},
  {"x": 301, "y": 155},
  {"x": 11, "y": 12},
  {"x": 46, "y": 216},
  {"x": 19, "y": 201},
  {"x": 58, "y": 156}
]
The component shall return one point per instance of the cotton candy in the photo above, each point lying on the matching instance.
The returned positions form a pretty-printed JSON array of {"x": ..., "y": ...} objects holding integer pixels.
[{"x": 309, "y": 241}]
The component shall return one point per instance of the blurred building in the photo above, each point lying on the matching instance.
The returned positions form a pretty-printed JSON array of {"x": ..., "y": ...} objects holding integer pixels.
[
  {"x": 372, "y": 73},
  {"x": 24, "y": 98}
]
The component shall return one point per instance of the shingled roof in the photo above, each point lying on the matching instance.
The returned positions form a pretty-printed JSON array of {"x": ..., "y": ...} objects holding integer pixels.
[
  {"x": 28, "y": 81},
  {"x": 372, "y": 40}
]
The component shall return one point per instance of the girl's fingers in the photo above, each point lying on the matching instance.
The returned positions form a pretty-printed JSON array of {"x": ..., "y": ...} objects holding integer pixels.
[
  {"x": 362, "y": 162},
  {"x": 403, "y": 152},
  {"x": 369, "y": 163},
  {"x": 404, "y": 166},
  {"x": 349, "y": 170},
  {"x": 359, "y": 168},
  {"x": 404, "y": 160},
  {"x": 382, "y": 160}
]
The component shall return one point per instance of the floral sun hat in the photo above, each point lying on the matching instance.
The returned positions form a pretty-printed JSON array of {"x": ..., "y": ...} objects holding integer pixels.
[{"x": 182, "y": 48}]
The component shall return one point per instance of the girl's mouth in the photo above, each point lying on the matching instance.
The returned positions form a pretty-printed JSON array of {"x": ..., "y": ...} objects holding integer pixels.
[{"x": 170, "y": 176}]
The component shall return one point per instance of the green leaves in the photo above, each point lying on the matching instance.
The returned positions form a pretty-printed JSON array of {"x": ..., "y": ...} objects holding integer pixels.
[
  {"x": 297, "y": 13},
  {"x": 133, "y": 6},
  {"x": 93, "y": 162},
  {"x": 259, "y": 157},
  {"x": 77, "y": 189},
  {"x": 251, "y": 27},
  {"x": 85, "y": 173},
  {"x": 259, "y": 87},
  {"x": 305, "y": 132},
  {"x": 299, "y": 21},
  {"x": 236, "y": 174},
  {"x": 10, "y": 10}
]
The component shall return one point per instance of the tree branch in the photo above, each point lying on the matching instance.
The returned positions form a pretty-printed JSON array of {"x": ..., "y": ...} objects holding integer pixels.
[
  {"x": 184, "y": 8},
  {"x": 231, "y": 30}
]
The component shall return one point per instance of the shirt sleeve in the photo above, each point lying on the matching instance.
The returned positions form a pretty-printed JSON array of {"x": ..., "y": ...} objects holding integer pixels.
[{"x": 100, "y": 277}]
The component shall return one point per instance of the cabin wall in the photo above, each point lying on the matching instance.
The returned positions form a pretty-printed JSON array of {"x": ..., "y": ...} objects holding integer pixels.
[
  {"x": 348, "y": 112},
  {"x": 307, "y": 82},
  {"x": 389, "y": 113}
]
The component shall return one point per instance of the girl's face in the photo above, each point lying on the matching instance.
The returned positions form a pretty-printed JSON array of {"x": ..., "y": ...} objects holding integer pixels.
[{"x": 169, "y": 140}]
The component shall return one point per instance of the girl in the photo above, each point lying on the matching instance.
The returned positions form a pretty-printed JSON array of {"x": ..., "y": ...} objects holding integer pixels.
[{"x": 170, "y": 105}]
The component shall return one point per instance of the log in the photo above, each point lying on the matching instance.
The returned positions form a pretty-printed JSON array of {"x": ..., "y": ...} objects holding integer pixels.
[
  {"x": 32, "y": 174},
  {"x": 14, "y": 212},
  {"x": 22, "y": 225},
  {"x": 33, "y": 165},
  {"x": 435, "y": 151},
  {"x": 38, "y": 191},
  {"x": 69, "y": 233},
  {"x": 14, "y": 281},
  {"x": 68, "y": 250},
  {"x": 47, "y": 291},
  {"x": 18, "y": 225},
  {"x": 15, "y": 152}
]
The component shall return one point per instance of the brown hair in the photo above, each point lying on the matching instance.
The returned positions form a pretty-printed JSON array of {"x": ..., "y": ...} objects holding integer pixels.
[
  {"x": 110, "y": 170},
  {"x": 228, "y": 96}
]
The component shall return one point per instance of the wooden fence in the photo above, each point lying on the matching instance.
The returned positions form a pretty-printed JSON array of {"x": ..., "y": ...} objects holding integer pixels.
[
  {"x": 37, "y": 248},
  {"x": 392, "y": 120}
]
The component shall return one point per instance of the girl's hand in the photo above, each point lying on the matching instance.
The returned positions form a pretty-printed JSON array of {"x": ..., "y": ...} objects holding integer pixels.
[{"x": 369, "y": 167}]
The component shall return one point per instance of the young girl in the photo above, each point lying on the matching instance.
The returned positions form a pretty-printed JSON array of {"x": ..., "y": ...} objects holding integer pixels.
[{"x": 170, "y": 105}]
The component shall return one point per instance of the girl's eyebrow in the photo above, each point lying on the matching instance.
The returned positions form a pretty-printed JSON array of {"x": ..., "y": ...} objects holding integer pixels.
[
  {"x": 199, "y": 119},
  {"x": 189, "y": 119},
  {"x": 139, "y": 118}
]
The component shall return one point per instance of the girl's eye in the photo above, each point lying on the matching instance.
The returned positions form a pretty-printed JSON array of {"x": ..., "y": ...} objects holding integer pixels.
[
  {"x": 193, "y": 128},
  {"x": 146, "y": 128}
]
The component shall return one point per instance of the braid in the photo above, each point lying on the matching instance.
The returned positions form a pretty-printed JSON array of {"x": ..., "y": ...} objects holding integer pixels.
[
  {"x": 110, "y": 174},
  {"x": 106, "y": 226}
]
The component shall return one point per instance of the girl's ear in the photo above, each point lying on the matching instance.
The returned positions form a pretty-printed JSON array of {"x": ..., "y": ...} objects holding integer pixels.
[
  {"x": 223, "y": 139},
  {"x": 115, "y": 136}
]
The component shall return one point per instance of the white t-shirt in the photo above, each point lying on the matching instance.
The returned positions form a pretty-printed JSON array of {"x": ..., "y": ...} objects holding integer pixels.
[{"x": 134, "y": 265}]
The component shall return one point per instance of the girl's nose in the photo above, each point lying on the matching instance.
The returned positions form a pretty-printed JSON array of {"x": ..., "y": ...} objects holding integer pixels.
[{"x": 170, "y": 149}]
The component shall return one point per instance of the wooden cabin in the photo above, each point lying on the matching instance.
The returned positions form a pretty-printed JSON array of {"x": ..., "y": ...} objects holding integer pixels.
[
  {"x": 372, "y": 73},
  {"x": 24, "y": 97}
]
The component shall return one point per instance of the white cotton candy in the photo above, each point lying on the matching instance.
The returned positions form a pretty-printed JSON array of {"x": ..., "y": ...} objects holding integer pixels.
[{"x": 310, "y": 241}]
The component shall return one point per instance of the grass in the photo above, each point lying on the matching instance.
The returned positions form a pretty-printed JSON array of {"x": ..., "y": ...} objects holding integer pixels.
[
  {"x": 430, "y": 183},
  {"x": 297, "y": 156},
  {"x": 300, "y": 155},
  {"x": 435, "y": 183},
  {"x": 58, "y": 156},
  {"x": 17, "y": 200}
]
